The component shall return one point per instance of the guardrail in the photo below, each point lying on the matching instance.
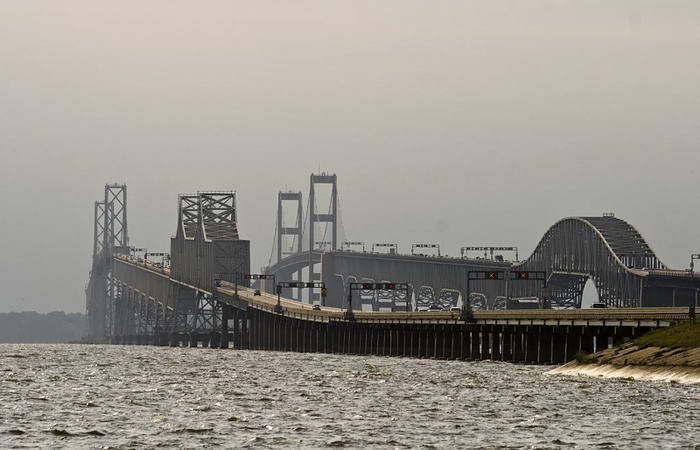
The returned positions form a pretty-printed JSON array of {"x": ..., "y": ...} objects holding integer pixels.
[{"x": 304, "y": 311}]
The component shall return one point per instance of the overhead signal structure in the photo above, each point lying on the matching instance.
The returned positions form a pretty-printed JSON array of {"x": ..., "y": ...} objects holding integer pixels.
[
  {"x": 488, "y": 250},
  {"x": 415, "y": 246},
  {"x": 393, "y": 248},
  {"x": 300, "y": 285},
  {"x": 346, "y": 245},
  {"x": 387, "y": 286}
]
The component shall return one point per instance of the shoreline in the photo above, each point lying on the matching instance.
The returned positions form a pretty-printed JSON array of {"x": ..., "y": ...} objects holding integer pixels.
[{"x": 630, "y": 361}]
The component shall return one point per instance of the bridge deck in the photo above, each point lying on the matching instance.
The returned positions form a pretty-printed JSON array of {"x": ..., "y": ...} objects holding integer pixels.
[
  {"x": 610, "y": 317},
  {"x": 661, "y": 316}
]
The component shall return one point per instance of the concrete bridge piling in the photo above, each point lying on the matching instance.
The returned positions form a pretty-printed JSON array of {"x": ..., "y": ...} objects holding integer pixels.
[{"x": 261, "y": 328}]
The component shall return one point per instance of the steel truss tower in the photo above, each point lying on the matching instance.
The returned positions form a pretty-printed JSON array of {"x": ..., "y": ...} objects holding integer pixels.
[{"x": 110, "y": 236}]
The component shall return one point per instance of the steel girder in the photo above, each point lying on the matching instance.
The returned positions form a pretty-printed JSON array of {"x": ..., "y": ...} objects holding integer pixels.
[
  {"x": 188, "y": 214},
  {"x": 218, "y": 215},
  {"x": 207, "y": 246},
  {"x": 604, "y": 249}
]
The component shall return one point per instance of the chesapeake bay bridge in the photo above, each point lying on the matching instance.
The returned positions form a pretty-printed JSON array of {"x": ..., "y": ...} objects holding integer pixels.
[{"x": 340, "y": 296}]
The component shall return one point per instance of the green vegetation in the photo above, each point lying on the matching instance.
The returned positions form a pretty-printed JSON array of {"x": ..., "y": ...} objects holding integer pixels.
[
  {"x": 585, "y": 359},
  {"x": 684, "y": 334}
]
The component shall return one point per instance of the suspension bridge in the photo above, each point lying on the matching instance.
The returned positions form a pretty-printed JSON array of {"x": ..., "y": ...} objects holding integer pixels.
[{"x": 341, "y": 296}]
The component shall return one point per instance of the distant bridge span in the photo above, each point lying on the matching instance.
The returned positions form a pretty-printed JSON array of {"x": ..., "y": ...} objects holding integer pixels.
[
  {"x": 196, "y": 294},
  {"x": 607, "y": 250}
]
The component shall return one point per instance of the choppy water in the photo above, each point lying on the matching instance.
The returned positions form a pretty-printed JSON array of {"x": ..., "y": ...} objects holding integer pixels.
[{"x": 118, "y": 396}]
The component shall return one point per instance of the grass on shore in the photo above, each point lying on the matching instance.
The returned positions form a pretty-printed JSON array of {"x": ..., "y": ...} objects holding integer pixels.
[{"x": 684, "y": 334}]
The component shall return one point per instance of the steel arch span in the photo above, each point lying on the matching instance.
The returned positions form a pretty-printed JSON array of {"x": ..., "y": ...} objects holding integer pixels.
[{"x": 605, "y": 249}]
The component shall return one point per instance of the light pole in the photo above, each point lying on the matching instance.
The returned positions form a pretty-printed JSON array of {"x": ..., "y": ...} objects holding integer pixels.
[
  {"x": 349, "y": 315},
  {"x": 278, "y": 306}
]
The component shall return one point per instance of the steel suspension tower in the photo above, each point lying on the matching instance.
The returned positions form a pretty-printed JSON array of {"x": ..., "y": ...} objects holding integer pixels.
[{"x": 110, "y": 236}]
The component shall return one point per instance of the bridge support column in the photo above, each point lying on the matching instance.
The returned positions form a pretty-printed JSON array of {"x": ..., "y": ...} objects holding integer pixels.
[
  {"x": 381, "y": 339},
  {"x": 264, "y": 319},
  {"x": 573, "y": 343},
  {"x": 281, "y": 330},
  {"x": 486, "y": 336},
  {"x": 440, "y": 338},
  {"x": 545, "y": 345},
  {"x": 559, "y": 345},
  {"x": 403, "y": 336},
  {"x": 276, "y": 321},
  {"x": 252, "y": 334},
  {"x": 429, "y": 337},
  {"x": 507, "y": 346},
  {"x": 362, "y": 330},
  {"x": 452, "y": 342},
  {"x": 602, "y": 340},
  {"x": 225, "y": 315},
  {"x": 418, "y": 340},
  {"x": 476, "y": 342},
  {"x": 349, "y": 338},
  {"x": 333, "y": 337},
  {"x": 496, "y": 344},
  {"x": 458, "y": 331},
  {"x": 531, "y": 343},
  {"x": 377, "y": 336},
  {"x": 323, "y": 338},
  {"x": 318, "y": 346},
  {"x": 214, "y": 339},
  {"x": 276, "y": 332},
  {"x": 300, "y": 335},
  {"x": 416, "y": 336},
  {"x": 519, "y": 344},
  {"x": 306, "y": 336},
  {"x": 284, "y": 333},
  {"x": 587, "y": 341},
  {"x": 245, "y": 336},
  {"x": 622, "y": 335},
  {"x": 372, "y": 338},
  {"x": 236, "y": 330},
  {"x": 281, "y": 333},
  {"x": 379, "y": 329},
  {"x": 466, "y": 342},
  {"x": 363, "y": 334},
  {"x": 398, "y": 340}
]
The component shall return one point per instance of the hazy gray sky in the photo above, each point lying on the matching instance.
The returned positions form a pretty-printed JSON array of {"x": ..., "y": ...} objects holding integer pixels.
[{"x": 458, "y": 122}]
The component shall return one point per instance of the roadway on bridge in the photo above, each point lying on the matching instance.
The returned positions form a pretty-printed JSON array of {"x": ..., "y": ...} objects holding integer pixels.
[{"x": 605, "y": 316}]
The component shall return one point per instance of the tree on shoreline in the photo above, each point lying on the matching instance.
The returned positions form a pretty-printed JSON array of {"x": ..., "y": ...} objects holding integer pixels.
[{"x": 34, "y": 327}]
